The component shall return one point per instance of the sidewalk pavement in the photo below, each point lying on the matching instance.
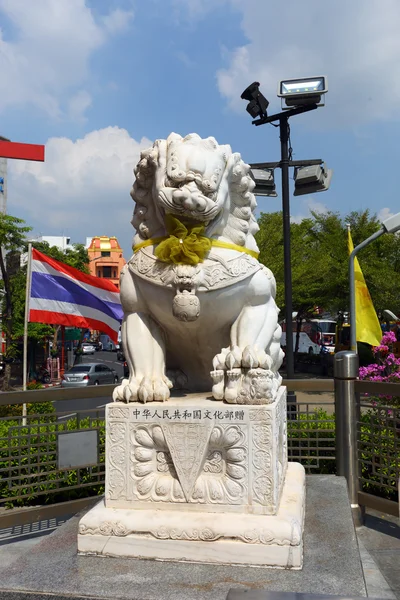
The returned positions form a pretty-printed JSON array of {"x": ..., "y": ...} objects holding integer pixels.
[
  {"x": 378, "y": 539},
  {"x": 379, "y": 543}
]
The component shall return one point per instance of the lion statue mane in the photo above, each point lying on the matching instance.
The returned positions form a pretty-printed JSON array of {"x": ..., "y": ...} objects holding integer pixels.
[{"x": 199, "y": 309}]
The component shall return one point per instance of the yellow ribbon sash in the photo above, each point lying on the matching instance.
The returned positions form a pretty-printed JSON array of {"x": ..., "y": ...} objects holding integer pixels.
[{"x": 186, "y": 244}]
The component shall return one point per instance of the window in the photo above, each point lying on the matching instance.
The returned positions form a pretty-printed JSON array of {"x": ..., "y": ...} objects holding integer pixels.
[
  {"x": 115, "y": 273},
  {"x": 107, "y": 272},
  {"x": 106, "y": 254}
]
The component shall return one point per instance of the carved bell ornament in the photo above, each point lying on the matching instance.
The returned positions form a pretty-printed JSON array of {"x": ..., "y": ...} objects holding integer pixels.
[{"x": 186, "y": 306}]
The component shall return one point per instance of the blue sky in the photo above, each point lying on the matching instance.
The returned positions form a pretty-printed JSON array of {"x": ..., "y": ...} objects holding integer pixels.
[{"x": 97, "y": 81}]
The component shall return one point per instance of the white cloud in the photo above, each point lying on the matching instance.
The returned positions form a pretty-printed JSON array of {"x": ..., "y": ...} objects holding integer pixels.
[
  {"x": 81, "y": 189},
  {"x": 309, "y": 205},
  {"x": 385, "y": 213},
  {"x": 356, "y": 44},
  {"x": 118, "y": 20},
  {"x": 78, "y": 105},
  {"x": 46, "y": 61}
]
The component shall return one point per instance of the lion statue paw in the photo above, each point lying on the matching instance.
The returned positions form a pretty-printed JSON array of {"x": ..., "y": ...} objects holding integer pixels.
[
  {"x": 147, "y": 390},
  {"x": 244, "y": 376},
  {"x": 154, "y": 390}
]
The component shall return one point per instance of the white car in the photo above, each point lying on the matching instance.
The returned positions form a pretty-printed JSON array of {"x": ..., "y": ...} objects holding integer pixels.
[{"x": 88, "y": 348}]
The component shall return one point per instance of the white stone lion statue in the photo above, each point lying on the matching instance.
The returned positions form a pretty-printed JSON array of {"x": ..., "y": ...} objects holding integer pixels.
[{"x": 199, "y": 308}]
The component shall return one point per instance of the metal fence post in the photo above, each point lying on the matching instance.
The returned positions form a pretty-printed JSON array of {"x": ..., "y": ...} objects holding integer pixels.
[{"x": 345, "y": 373}]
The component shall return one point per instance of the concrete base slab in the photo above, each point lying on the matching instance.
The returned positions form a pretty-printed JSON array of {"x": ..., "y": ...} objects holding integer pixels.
[
  {"x": 331, "y": 562},
  {"x": 221, "y": 538}
]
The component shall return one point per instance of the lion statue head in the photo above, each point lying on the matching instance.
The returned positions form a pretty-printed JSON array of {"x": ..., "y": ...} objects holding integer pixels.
[{"x": 197, "y": 180}]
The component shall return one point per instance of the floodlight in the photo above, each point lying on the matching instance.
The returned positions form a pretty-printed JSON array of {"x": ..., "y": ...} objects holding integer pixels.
[
  {"x": 265, "y": 182},
  {"x": 314, "y": 178},
  {"x": 392, "y": 224},
  {"x": 258, "y": 104},
  {"x": 298, "y": 92}
]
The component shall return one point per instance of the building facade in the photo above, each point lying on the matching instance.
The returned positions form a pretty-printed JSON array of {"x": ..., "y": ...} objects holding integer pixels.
[
  {"x": 105, "y": 258},
  {"x": 62, "y": 242}
]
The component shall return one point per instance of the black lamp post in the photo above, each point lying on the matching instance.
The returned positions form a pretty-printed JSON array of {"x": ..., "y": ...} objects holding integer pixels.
[{"x": 257, "y": 107}]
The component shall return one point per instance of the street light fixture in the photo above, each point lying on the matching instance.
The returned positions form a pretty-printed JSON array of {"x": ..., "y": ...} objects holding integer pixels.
[
  {"x": 300, "y": 97},
  {"x": 265, "y": 182},
  {"x": 311, "y": 179},
  {"x": 390, "y": 225},
  {"x": 298, "y": 92}
]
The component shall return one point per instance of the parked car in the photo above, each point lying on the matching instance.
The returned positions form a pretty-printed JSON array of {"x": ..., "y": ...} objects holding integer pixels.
[
  {"x": 88, "y": 348},
  {"x": 120, "y": 354},
  {"x": 89, "y": 374}
]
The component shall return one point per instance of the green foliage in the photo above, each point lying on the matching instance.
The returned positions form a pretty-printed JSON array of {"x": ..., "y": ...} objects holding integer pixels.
[
  {"x": 76, "y": 257},
  {"x": 37, "y": 408},
  {"x": 29, "y": 454},
  {"x": 311, "y": 441},
  {"x": 12, "y": 232},
  {"x": 379, "y": 456},
  {"x": 320, "y": 260},
  {"x": 12, "y": 239},
  {"x": 306, "y": 434},
  {"x": 34, "y": 385}
]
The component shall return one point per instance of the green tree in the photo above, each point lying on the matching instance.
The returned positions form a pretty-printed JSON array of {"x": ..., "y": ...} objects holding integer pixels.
[
  {"x": 76, "y": 257},
  {"x": 308, "y": 264},
  {"x": 12, "y": 239},
  {"x": 320, "y": 260}
]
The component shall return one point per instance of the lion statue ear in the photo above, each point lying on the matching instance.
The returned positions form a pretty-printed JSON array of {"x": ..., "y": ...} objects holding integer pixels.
[
  {"x": 146, "y": 218},
  {"x": 238, "y": 222}
]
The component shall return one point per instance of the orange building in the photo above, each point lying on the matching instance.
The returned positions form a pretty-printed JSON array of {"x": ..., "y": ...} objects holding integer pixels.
[{"x": 105, "y": 258}]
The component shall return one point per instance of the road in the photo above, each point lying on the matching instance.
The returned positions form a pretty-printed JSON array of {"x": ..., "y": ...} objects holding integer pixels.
[{"x": 79, "y": 404}]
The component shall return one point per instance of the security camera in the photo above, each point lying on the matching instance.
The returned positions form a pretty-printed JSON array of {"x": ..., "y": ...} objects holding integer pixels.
[{"x": 258, "y": 104}]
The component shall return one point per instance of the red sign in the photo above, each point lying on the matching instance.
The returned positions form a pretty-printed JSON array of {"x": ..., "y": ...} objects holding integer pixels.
[{"x": 21, "y": 151}]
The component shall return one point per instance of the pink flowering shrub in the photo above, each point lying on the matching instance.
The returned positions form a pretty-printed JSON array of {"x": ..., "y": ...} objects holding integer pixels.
[{"x": 386, "y": 368}]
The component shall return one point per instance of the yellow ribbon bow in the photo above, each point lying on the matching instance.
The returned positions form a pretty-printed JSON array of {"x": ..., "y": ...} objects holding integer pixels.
[{"x": 185, "y": 244}]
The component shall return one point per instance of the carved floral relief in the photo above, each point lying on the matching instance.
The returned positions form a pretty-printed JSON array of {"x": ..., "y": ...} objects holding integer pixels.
[
  {"x": 116, "y": 458},
  {"x": 160, "y": 475}
]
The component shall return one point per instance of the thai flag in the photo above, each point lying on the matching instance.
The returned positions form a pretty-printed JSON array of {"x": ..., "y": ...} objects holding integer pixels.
[{"x": 62, "y": 295}]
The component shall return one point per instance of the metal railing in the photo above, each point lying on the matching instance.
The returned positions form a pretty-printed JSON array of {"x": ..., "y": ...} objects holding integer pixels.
[
  {"x": 368, "y": 435},
  {"x": 355, "y": 438},
  {"x": 31, "y": 472},
  {"x": 378, "y": 434},
  {"x": 311, "y": 437}
]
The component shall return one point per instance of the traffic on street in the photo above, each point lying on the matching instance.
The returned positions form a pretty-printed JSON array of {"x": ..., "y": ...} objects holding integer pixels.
[{"x": 71, "y": 407}]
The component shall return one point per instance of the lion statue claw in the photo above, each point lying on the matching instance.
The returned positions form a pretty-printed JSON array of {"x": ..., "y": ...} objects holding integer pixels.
[{"x": 194, "y": 295}]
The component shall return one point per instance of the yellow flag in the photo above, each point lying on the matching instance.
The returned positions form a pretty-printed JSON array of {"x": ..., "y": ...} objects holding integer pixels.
[{"x": 368, "y": 329}]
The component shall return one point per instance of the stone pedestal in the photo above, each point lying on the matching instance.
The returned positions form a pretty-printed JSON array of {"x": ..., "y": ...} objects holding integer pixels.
[{"x": 199, "y": 480}]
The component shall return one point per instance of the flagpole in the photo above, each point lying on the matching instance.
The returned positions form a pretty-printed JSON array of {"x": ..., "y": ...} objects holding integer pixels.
[
  {"x": 25, "y": 352},
  {"x": 62, "y": 350},
  {"x": 352, "y": 290}
]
